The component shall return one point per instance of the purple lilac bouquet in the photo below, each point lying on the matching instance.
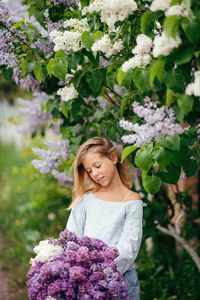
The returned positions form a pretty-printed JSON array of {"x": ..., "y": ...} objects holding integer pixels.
[{"x": 73, "y": 267}]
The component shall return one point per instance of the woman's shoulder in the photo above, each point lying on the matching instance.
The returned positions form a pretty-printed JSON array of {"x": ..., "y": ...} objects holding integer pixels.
[{"x": 133, "y": 196}]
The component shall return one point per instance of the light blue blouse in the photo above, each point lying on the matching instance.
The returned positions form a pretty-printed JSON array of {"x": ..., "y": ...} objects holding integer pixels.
[{"x": 118, "y": 224}]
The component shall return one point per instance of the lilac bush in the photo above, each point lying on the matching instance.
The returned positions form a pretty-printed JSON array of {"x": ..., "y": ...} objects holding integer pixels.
[{"x": 73, "y": 267}]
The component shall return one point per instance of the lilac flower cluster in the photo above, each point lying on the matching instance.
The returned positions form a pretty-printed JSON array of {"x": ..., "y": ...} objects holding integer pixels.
[
  {"x": 4, "y": 14},
  {"x": 73, "y": 267},
  {"x": 158, "y": 122},
  {"x": 52, "y": 159},
  {"x": 34, "y": 117},
  {"x": 7, "y": 56},
  {"x": 28, "y": 82}
]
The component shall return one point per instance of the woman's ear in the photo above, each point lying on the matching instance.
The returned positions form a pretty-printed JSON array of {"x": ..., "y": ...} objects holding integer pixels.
[{"x": 113, "y": 157}]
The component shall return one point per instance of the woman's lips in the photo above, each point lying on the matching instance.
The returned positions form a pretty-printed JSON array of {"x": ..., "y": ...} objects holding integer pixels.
[{"x": 99, "y": 180}]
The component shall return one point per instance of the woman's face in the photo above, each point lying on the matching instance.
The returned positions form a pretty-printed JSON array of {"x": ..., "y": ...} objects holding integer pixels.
[{"x": 100, "y": 168}]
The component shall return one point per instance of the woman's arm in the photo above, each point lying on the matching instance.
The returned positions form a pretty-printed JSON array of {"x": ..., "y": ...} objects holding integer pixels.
[
  {"x": 131, "y": 237},
  {"x": 77, "y": 217}
]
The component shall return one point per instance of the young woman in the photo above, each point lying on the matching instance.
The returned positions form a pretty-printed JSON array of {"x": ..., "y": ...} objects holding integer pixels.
[{"x": 104, "y": 207}]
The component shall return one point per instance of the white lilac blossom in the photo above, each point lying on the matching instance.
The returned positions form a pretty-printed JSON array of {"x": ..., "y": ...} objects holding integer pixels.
[
  {"x": 79, "y": 25},
  {"x": 138, "y": 60},
  {"x": 67, "y": 93},
  {"x": 160, "y": 5},
  {"x": 50, "y": 298},
  {"x": 33, "y": 116},
  {"x": 67, "y": 40},
  {"x": 142, "y": 53},
  {"x": 194, "y": 87},
  {"x": 157, "y": 122},
  {"x": 178, "y": 10},
  {"x": 163, "y": 45},
  {"x": 144, "y": 44},
  {"x": 45, "y": 252},
  {"x": 105, "y": 45},
  {"x": 111, "y": 11},
  {"x": 51, "y": 159}
]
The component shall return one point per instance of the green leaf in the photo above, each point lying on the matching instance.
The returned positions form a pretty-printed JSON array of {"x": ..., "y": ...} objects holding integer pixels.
[
  {"x": 143, "y": 159},
  {"x": 49, "y": 66},
  {"x": 59, "y": 68},
  {"x": 174, "y": 80},
  {"x": 56, "y": 12},
  {"x": 98, "y": 34},
  {"x": 124, "y": 102},
  {"x": 190, "y": 167},
  {"x": 24, "y": 66},
  {"x": 169, "y": 97},
  {"x": 127, "y": 151},
  {"x": 147, "y": 23},
  {"x": 141, "y": 79},
  {"x": 172, "y": 175},
  {"x": 183, "y": 55},
  {"x": 171, "y": 25},
  {"x": 87, "y": 39},
  {"x": 39, "y": 74},
  {"x": 60, "y": 54},
  {"x": 157, "y": 69},
  {"x": 128, "y": 79},
  {"x": 191, "y": 29},
  {"x": 185, "y": 103},
  {"x": 151, "y": 183},
  {"x": 65, "y": 109},
  {"x": 170, "y": 142},
  {"x": 120, "y": 76},
  {"x": 84, "y": 2},
  {"x": 163, "y": 156},
  {"x": 96, "y": 80}
]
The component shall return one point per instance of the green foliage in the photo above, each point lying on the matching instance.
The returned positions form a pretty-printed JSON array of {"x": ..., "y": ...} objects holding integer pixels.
[{"x": 97, "y": 75}]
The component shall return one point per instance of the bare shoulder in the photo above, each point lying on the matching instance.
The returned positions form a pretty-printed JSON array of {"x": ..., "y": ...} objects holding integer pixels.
[{"x": 133, "y": 196}]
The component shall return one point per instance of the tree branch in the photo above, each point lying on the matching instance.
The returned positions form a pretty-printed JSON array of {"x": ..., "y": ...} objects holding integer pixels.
[{"x": 171, "y": 232}]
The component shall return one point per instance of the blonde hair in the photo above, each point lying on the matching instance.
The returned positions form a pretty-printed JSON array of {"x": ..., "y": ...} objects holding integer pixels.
[{"x": 82, "y": 182}]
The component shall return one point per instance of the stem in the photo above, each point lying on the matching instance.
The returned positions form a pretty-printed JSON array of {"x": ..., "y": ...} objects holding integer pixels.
[
  {"x": 108, "y": 87},
  {"x": 19, "y": 39},
  {"x": 111, "y": 100}
]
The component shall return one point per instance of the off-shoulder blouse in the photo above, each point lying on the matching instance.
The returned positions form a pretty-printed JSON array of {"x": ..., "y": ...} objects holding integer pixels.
[{"x": 117, "y": 223}]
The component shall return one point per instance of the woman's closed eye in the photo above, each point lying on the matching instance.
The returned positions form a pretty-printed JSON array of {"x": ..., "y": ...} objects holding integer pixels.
[{"x": 98, "y": 166}]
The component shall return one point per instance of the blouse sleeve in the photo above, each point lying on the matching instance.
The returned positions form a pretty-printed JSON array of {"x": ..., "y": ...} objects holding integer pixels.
[
  {"x": 77, "y": 217},
  {"x": 131, "y": 237}
]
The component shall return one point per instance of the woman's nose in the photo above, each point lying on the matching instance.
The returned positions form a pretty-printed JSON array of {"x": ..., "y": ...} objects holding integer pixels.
[{"x": 95, "y": 173}]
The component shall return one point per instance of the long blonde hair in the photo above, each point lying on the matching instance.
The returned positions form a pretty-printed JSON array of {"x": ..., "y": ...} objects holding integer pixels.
[{"x": 82, "y": 182}]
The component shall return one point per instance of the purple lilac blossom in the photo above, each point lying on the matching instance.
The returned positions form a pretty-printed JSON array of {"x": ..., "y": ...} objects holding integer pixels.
[
  {"x": 62, "y": 177},
  {"x": 28, "y": 82},
  {"x": 7, "y": 56},
  {"x": 157, "y": 122},
  {"x": 34, "y": 117},
  {"x": 51, "y": 159},
  {"x": 72, "y": 274}
]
